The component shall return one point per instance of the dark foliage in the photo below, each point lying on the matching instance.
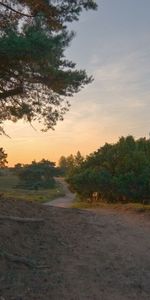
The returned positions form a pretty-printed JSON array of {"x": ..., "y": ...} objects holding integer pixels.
[
  {"x": 67, "y": 165},
  {"x": 38, "y": 175},
  {"x": 3, "y": 158},
  {"x": 35, "y": 76},
  {"x": 118, "y": 172}
]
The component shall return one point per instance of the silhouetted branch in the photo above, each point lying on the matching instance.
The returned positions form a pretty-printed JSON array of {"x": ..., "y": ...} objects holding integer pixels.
[{"x": 16, "y": 11}]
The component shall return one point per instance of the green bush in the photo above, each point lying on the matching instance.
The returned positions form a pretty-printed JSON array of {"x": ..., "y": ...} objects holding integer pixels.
[
  {"x": 116, "y": 172},
  {"x": 38, "y": 175}
]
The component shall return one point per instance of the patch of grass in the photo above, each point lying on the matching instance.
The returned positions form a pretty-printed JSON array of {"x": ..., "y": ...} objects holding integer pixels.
[
  {"x": 133, "y": 207},
  {"x": 83, "y": 204},
  {"x": 8, "y": 189},
  {"x": 8, "y": 182}
]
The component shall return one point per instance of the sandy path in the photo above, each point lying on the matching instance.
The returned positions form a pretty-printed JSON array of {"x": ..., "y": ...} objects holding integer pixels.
[
  {"x": 109, "y": 258},
  {"x": 89, "y": 255},
  {"x": 106, "y": 255},
  {"x": 65, "y": 201}
]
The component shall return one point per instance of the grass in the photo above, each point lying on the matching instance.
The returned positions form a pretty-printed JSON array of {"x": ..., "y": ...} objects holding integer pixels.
[
  {"x": 133, "y": 207},
  {"x": 9, "y": 182}
]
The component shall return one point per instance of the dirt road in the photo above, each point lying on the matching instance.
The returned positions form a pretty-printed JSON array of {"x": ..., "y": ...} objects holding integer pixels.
[
  {"x": 65, "y": 201},
  {"x": 77, "y": 255}
]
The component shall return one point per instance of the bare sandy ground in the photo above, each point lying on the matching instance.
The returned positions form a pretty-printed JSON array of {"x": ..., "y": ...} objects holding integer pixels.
[
  {"x": 95, "y": 255},
  {"x": 110, "y": 253}
]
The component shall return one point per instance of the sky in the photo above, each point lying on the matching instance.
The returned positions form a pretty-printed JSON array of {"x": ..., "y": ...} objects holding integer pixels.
[{"x": 113, "y": 45}]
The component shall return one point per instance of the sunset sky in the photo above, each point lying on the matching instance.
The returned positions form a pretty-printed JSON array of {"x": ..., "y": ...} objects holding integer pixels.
[{"x": 112, "y": 44}]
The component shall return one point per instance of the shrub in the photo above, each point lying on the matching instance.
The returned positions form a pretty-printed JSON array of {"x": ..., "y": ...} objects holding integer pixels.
[{"x": 116, "y": 172}]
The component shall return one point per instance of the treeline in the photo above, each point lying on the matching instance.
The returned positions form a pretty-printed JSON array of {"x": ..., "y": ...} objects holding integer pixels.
[
  {"x": 34, "y": 176},
  {"x": 117, "y": 172}
]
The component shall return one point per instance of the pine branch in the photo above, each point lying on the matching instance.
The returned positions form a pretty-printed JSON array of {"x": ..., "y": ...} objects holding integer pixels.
[
  {"x": 16, "y": 11},
  {"x": 10, "y": 93}
]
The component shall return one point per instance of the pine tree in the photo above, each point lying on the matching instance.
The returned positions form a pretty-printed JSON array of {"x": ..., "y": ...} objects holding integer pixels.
[{"x": 35, "y": 76}]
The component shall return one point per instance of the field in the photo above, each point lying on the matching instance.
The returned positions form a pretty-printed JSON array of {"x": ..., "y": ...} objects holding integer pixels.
[{"x": 8, "y": 189}]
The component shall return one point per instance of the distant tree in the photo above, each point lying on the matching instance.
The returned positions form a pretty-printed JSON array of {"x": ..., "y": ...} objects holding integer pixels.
[
  {"x": 78, "y": 159},
  {"x": 69, "y": 163},
  {"x": 38, "y": 175},
  {"x": 66, "y": 164},
  {"x": 3, "y": 158},
  {"x": 35, "y": 76},
  {"x": 63, "y": 165},
  {"x": 18, "y": 165},
  {"x": 17, "y": 168}
]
